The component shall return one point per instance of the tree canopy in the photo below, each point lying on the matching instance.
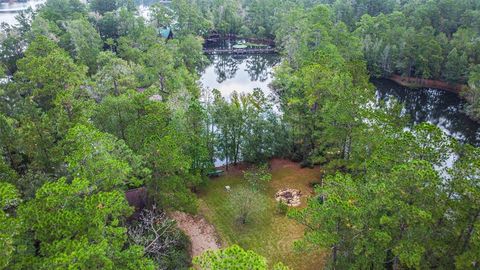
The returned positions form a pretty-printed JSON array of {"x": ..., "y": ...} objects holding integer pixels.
[{"x": 94, "y": 102}]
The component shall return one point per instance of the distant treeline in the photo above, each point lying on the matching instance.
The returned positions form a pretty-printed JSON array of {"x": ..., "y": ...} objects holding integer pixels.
[{"x": 436, "y": 40}]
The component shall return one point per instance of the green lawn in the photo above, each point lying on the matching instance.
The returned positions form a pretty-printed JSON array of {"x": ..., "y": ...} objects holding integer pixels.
[{"x": 269, "y": 234}]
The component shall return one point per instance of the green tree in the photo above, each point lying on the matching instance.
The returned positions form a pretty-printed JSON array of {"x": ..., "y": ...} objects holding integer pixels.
[
  {"x": 465, "y": 185},
  {"x": 115, "y": 75},
  {"x": 9, "y": 225},
  {"x": 189, "y": 18},
  {"x": 188, "y": 51},
  {"x": 456, "y": 66},
  {"x": 227, "y": 16},
  {"x": 57, "y": 11},
  {"x": 247, "y": 204},
  {"x": 86, "y": 41},
  {"x": 116, "y": 113},
  {"x": 161, "y": 15},
  {"x": 472, "y": 93},
  {"x": 171, "y": 179},
  {"x": 78, "y": 226},
  {"x": 47, "y": 71},
  {"x": 91, "y": 154},
  {"x": 103, "y": 6},
  {"x": 38, "y": 137},
  {"x": 232, "y": 257},
  {"x": 258, "y": 177},
  {"x": 12, "y": 48},
  {"x": 10, "y": 143}
]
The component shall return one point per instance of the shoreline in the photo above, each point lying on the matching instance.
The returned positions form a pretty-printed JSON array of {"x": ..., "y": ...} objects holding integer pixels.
[
  {"x": 413, "y": 82},
  {"x": 218, "y": 37}
]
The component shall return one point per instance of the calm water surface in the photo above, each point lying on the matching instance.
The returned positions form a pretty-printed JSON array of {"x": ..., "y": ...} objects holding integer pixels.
[
  {"x": 438, "y": 107},
  {"x": 8, "y": 11},
  {"x": 243, "y": 73}
]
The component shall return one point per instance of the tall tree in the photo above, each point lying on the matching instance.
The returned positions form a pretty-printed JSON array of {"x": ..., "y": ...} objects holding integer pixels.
[
  {"x": 456, "y": 66},
  {"x": 86, "y": 41},
  {"x": 75, "y": 225}
]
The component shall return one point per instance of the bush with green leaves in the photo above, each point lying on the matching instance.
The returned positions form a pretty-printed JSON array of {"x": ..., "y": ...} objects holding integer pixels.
[
  {"x": 258, "y": 177},
  {"x": 246, "y": 204},
  {"x": 282, "y": 208},
  {"x": 233, "y": 257}
]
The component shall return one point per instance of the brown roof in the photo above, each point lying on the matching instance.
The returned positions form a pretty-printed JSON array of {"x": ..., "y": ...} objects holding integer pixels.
[{"x": 137, "y": 198}]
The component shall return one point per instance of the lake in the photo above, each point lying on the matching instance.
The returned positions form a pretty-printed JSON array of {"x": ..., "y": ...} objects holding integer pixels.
[
  {"x": 243, "y": 73},
  {"x": 8, "y": 11}
]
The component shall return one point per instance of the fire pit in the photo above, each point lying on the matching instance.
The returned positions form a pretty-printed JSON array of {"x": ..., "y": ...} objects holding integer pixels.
[{"x": 289, "y": 196}]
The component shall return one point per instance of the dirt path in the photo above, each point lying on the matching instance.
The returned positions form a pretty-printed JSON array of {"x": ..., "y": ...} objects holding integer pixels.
[{"x": 201, "y": 233}]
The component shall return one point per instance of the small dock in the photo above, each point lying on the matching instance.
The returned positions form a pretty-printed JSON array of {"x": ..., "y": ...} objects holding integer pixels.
[{"x": 240, "y": 51}]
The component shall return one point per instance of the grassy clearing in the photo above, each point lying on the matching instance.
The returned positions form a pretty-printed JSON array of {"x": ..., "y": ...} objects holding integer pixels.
[{"x": 270, "y": 234}]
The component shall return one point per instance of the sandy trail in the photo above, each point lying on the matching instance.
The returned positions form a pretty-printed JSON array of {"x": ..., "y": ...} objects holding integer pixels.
[{"x": 201, "y": 233}]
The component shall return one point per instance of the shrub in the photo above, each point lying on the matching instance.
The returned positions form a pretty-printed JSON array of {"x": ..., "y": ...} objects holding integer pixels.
[
  {"x": 246, "y": 204},
  {"x": 307, "y": 163},
  {"x": 258, "y": 177},
  {"x": 282, "y": 208}
]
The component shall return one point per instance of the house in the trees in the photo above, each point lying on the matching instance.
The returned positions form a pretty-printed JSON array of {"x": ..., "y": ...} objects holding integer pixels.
[
  {"x": 165, "y": 32},
  {"x": 137, "y": 198}
]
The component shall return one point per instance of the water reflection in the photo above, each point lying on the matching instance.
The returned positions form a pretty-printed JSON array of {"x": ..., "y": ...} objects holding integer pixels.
[
  {"x": 241, "y": 73},
  {"x": 441, "y": 108},
  {"x": 225, "y": 66},
  {"x": 8, "y": 11},
  {"x": 259, "y": 66}
]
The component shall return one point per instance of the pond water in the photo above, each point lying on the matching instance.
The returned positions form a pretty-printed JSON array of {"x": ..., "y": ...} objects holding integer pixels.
[
  {"x": 243, "y": 73},
  {"x": 8, "y": 11},
  {"x": 441, "y": 108}
]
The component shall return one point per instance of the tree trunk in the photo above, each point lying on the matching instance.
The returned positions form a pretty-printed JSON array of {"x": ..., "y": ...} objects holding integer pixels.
[
  {"x": 468, "y": 235},
  {"x": 335, "y": 248},
  {"x": 396, "y": 263},
  {"x": 226, "y": 152},
  {"x": 115, "y": 88},
  {"x": 122, "y": 132}
]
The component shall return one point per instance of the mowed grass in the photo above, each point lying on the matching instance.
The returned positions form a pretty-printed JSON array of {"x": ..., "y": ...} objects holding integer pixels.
[{"x": 269, "y": 234}]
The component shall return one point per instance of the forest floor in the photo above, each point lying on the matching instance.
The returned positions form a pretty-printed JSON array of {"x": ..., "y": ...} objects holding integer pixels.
[{"x": 269, "y": 233}]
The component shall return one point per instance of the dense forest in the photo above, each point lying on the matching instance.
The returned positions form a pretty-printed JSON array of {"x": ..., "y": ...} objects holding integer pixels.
[
  {"x": 423, "y": 39},
  {"x": 94, "y": 101}
]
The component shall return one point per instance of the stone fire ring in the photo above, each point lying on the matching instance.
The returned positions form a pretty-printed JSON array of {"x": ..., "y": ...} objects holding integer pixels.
[{"x": 289, "y": 196}]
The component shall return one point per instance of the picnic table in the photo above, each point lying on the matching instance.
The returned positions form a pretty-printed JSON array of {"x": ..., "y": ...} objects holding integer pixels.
[{"x": 215, "y": 173}]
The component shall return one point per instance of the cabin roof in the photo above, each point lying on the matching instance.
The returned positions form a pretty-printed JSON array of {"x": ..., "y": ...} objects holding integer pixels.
[
  {"x": 137, "y": 198},
  {"x": 165, "y": 32}
]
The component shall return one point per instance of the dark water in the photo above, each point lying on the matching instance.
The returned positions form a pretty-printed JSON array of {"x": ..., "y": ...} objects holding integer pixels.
[
  {"x": 441, "y": 108},
  {"x": 243, "y": 73}
]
